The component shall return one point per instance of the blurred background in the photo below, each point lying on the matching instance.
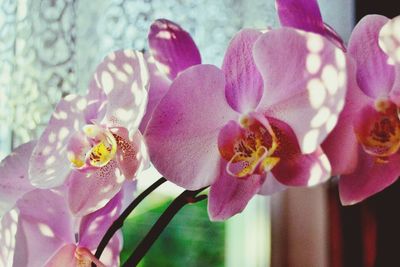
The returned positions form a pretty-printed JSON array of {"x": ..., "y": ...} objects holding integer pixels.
[{"x": 49, "y": 48}]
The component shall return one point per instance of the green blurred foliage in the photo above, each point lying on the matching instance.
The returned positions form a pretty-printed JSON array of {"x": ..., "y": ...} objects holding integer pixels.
[{"x": 190, "y": 240}]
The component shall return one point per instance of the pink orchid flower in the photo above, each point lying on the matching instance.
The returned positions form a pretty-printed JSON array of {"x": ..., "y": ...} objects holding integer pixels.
[
  {"x": 254, "y": 125},
  {"x": 47, "y": 234},
  {"x": 306, "y": 15},
  {"x": 172, "y": 50},
  {"x": 37, "y": 227},
  {"x": 92, "y": 143},
  {"x": 364, "y": 146}
]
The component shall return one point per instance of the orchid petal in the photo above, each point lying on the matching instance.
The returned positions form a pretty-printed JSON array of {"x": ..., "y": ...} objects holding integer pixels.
[
  {"x": 244, "y": 85},
  {"x": 341, "y": 145},
  {"x": 65, "y": 256},
  {"x": 96, "y": 103},
  {"x": 172, "y": 47},
  {"x": 14, "y": 182},
  {"x": 229, "y": 195},
  {"x": 110, "y": 255},
  {"x": 132, "y": 156},
  {"x": 305, "y": 15},
  {"x": 49, "y": 165},
  {"x": 183, "y": 132},
  {"x": 375, "y": 74},
  {"x": 88, "y": 192},
  {"x": 369, "y": 178},
  {"x": 123, "y": 76},
  {"x": 159, "y": 84},
  {"x": 8, "y": 229},
  {"x": 44, "y": 220},
  {"x": 94, "y": 225},
  {"x": 305, "y": 81},
  {"x": 389, "y": 38},
  {"x": 295, "y": 168}
]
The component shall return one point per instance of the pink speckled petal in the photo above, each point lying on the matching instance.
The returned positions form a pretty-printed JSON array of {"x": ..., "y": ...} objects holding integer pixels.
[
  {"x": 94, "y": 225},
  {"x": 132, "y": 156},
  {"x": 44, "y": 226},
  {"x": 123, "y": 76},
  {"x": 65, "y": 256},
  {"x": 88, "y": 192},
  {"x": 341, "y": 145},
  {"x": 305, "y": 82},
  {"x": 159, "y": 85},
  {"x": 374, "y": 75},
  {"x": 14, "y": 182},
  {"x": 183, "y": 132},
  {"x": 229, "y": 195},
  {"x": 172, "y": 47},
  {"x": 8, "y": 229},
  {"x": 49, "y": 165},
  {"x": 244, "y": 85}
]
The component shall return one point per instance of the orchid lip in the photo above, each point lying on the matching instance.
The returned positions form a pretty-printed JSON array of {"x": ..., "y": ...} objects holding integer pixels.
[
  {"x": 96, "y": 148},
  {"x": 378, "y": 132},
  {"x": 250, "y": 147}
]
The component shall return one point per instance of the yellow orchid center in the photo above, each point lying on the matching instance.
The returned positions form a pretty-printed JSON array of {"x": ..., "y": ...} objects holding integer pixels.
[{"x": 95, "y": 148}]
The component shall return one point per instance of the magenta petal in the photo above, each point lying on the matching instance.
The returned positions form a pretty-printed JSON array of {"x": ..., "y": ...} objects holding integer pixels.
[
  {"x": 244, "y": 85},
  {"x": 229, "y": 195},
  {"x": 44, "y": 226},
  {"x": 159, "y": 84},
  {"x": 110, "y": 256},
  {"x": 300, "y": 14},
  {"x": 183, "y": 132},
  {"x": 88, "y": 192},
  {"x": 374, "y": 75},
  {"x": 94, "y": 225},
  {"x": 14, "y": 182},
  {"x": 132, "y": 153},
  {"x": 65, "y": 256},
  {"x": 49, "y": 165},
  {"x": 123, "y": 76},
  {"x": 271, "y": 186},
  {"x": 341, "y": 145},
  {"x": 369, "y": 178},
  {"x": 172, "y": 47},
  {"x": 305, "y": 82}
]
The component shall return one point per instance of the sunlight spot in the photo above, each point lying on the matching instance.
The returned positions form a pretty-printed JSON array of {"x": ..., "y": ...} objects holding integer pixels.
[
  {"x": 144, "y": 71},
  {"x": 62, "y": 115},
  {"x": 107, "y": 82},
  {"x": 316, "y": 93},
  {"x": 81, "y": 104},
  {"x": 122, "y": 76},
  {"x": 14, "y": 215},
  {"x": 315, "y": 43},
  {"x": 52, "y": 137},
  {"x": 50, "y": 171},
  {"x": 63, "y": 133},
  {"x": 70, "y": 98},
  {"x": 315, "y": 175},
  {"x": 310, "y": 141},
  {"x": 129, "y": 53},
  {"x": 123, "y": 114},
  {"x": 50, "y": 160},
  {"x": 112, "y": 67},
  {"x": 120, "y": 179},
  {"x": 331, "y": 122},
  {"x": 340, "y": 59},
  {"x": 321, "y": 117},
  {"x": 330, "y": 78},
  {"x": 128, "y": 68},
  {"x": 164, "y": 35},
  {"x": 313, "y": 63},
  {"x": 342, "y": 79},
  {"x": 45, "y": 230},
  {"x": 138, "y": 94},
  {"x": 340, "y": 105}
]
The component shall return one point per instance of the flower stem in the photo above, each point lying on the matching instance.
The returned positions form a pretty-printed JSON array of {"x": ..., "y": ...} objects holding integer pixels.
[
  {"x": 177, "y": 204},
  {"x": 117, "y": 224}
]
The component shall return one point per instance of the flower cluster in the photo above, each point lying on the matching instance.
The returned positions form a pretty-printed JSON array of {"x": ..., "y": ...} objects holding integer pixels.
[{"x": 290, "y": 106}]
